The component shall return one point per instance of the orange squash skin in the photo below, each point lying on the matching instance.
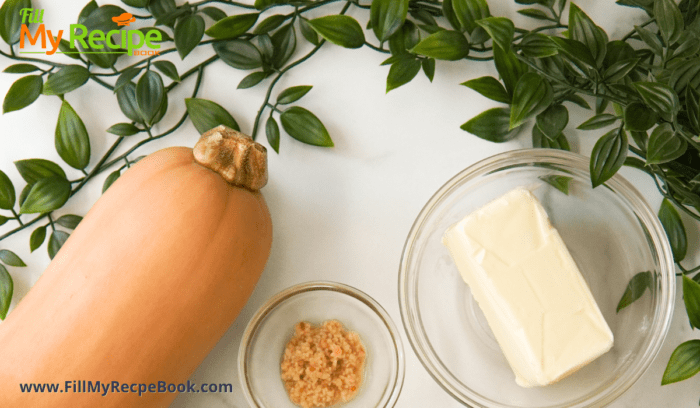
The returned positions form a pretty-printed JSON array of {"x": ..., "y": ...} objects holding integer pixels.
[{"x": 143, "y": 289}]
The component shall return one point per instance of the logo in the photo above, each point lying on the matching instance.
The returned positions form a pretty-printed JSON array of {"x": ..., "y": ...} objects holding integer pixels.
[
  {"x": 91, "y": 41},
  {"x": 124, "y": 20}
]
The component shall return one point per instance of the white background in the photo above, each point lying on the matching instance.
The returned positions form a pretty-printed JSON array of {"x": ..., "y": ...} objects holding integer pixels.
[{"x": 342, "y": 213}]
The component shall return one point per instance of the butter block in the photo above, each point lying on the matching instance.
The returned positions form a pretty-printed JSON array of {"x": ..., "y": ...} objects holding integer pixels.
[{"x": 523, "y": 277}]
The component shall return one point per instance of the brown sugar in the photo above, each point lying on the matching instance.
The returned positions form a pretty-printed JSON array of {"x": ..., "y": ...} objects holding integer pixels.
[{"x": 322, "y": 365}]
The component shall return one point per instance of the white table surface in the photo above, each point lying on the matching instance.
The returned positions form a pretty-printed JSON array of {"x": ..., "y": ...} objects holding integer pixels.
[{"x": 342, "y": 213}]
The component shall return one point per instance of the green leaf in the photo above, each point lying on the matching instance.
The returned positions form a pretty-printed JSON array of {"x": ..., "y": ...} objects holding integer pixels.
[
  {"x": 402, "y": 72},
  {"x": 233, "y": 26},
  {"x": 535, "y": 13},
  {"x": 189, "y": 31},
  {"x": 72, "y": 141},
  {"x": 620, "y": 69},
  {"x": 168, "y": 69},
  {"x": 577, "y": 100},
  {"x": 7, "y": 192},
  {"x": 598, "y": 121},
  {"x": 583, "y": 29},
  {"x": 539, "y": 140},
  {"x": 126, "y": 97},
  {"x": 640, "y": 139},
  {"x": 660, "y": 97},
  {"x": 37, "y": 238},
  {"x": 561, "y": 183},
  {"x": 149, "y": 95},
  {"x": 691, "y": 297},
  {"x": 69, "y": 78},
  {"x": 500, "y": 29},
  {"x": 608, "y": 156},
  {"x": 162, "y": 8},
  {"x": 101, "y": 18},
  {"x": 553, "y": 121},
  {"x": 635, "y": 163},
  {"x": 664, "y": 145},
  {"x": 669, "y": 20},
  {"x": 267, "y": 49},
  {"x": 509, "y": 67},
  {"x": 292, "y": 94},
  {"x": 270, "y": 24},
  {"x": 11, "y": 20},
  {"x": 22, "y": 93},
  {"x": 240, "y": 54},
  {"x": 111, "y": 178},
  {"x": 136, "y": 3},
  {"x": 272, "y": 131},
  {"x": 87, "y": 10},
  {"x": 214, "y": 13},
  {"x": 428, "y": 65},
  {"x": 532, "y": 95},
  {"x": 123, "y": 129},
  {"x": 69, "y": 221},
  {"x": 673, "y": 225},
  {"x": 449, "y": 13},
  {"x": 3, "y": 219},
  {"x": 251, "y": 80},
  {"x": 24, "y": 193},
  {"x": 33, "y": 170},
  {"x": 284, "y": 42},
  {"x": 443, "y": 45},
  {"x": 308, "y": 32},
  {"x": 491, "y": 125},
  {"x": 46, "y": 195},
  {"x": 164, "y": 36},
  {"x": 639, "y": 118},
  {"x": 576, "y": 52},
  {"x": 207, "y": 115},
  {"x": 635, "y": 289},
  {"x": 468, "y": 12},
  {"x": 651, "y": 40},
  {"x": 404, "y": 39},
  {"x": 58, "y": 238},
  {"x": 20, "y": 69},
  {"x": 489, "y": 87},
  {"x": 387, "y": 17},
  {"x": 684, "y": 362},
  {"x": 6, "y": 287},
  {"x": 305, "y": 127},
  {"x": 536, "y": 45},
  {"x": 340, "y": 30},
  {"x": 126, "y": 76},
  {"x": 692, "y": 108}
]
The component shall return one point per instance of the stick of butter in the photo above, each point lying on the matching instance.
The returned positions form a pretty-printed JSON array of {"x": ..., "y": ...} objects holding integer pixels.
[{"x": 529, "y": 287}]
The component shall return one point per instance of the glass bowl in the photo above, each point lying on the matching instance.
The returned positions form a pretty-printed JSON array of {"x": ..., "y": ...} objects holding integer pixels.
[
  {"x": 612, "y": 235},
  {"x": 272, "y": 327}
]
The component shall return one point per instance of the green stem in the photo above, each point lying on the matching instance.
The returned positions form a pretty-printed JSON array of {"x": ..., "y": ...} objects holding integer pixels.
[
  {"x": 28, "y": 59},
  {"x": 633, "y": 32},
  {"x": 53, "y": 227},
  {"x": 274, "y": 82},
  {"x": 23, "y": 226},
  {"x": 230, "y": 3},
  {"x": 16, "y": 216}
]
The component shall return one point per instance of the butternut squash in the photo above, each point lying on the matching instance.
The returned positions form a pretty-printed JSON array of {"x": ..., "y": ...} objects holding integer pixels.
[{"x": 148, "y": 282}]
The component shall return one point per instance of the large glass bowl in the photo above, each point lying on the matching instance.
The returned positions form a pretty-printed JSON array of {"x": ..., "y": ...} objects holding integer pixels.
[{"x": 612, "y": 235}]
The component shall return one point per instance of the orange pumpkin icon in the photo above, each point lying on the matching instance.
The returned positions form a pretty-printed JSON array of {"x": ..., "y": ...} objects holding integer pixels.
[{"x": 124, "y": 20}]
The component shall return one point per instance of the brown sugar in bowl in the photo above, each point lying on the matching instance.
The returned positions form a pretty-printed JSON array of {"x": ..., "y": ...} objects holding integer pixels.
[{"x": 273, "y": 326}]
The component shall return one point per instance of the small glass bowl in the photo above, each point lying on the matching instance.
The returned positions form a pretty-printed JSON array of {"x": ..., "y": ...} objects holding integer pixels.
[
  {"x": 272, "y": 327},
  {"x": 612, "y": 235}
]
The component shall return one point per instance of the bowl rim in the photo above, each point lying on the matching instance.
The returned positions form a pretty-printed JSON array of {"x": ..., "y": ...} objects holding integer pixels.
[
  {"x": 322, "y": 285},
  {"x": 529, "y": 156}
]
